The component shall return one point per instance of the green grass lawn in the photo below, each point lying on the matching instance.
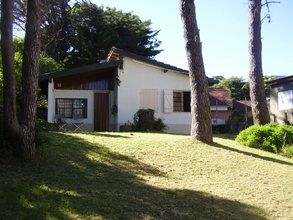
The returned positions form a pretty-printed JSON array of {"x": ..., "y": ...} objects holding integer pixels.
[{"x": 146, "y": 176}]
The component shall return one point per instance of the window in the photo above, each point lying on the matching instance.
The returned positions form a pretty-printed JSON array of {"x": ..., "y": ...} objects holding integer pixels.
[
  {"x": 71, "y": 107},
  {"x": 181, "y": 101}
]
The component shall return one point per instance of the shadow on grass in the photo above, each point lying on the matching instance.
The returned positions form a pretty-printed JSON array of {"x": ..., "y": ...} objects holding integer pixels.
[
  {"x": 76, "y": 179},
  {"x": 226, "y": 136},
  {"x": 251, "y": 154}
]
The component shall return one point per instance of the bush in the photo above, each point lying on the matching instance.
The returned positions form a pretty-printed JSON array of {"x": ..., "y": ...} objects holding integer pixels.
[
  {"x": 159, "y": 124},
  {"x": 144, "y": 120},
  {"x": 288, "y": 151},
  {"x": 270, "y": 137}
]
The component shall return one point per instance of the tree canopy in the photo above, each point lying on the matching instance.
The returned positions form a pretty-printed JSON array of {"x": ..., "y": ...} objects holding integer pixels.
[
  {"x": 83, "y": 33},
  {"x": 239, "y": 87},
  {"x": 95, "y": 29},
  {"x": 47, "y": 64}
]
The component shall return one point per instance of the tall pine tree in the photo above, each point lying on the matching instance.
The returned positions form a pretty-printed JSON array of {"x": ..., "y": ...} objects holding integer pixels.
[
  {"x": 201, "y": 128},
  {"x": 259, "y": 106}
]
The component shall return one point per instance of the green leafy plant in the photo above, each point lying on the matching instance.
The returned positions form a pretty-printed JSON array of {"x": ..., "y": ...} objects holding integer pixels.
[
  {"x": 288, "y": 151},
  {"x": 144, "y": 120},
  {"x": 270, "y": 137},
  {"x": 159, "y": 125}
]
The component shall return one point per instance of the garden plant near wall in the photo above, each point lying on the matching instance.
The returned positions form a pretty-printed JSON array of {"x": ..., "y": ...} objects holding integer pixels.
[{"x": 144, "y": 120}]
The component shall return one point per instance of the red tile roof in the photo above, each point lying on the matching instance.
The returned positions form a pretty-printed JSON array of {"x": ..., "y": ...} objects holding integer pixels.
[
  {"x": 240, "y": 104},
  {"x": 220, "y": 97}
]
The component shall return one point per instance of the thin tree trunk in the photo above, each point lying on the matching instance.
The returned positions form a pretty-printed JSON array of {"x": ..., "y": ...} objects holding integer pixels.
[
  {"x": 201, "y": 128},
  {"x": 30, "y": 72},
  {"x": 9, "y": 83},
  {"x": 257, "y": 92}
]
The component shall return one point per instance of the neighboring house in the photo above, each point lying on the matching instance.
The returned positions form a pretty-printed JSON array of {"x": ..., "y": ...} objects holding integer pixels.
[
  {"x": 243, "y": 105},
  {"x": 281, "y": 100},
  {"x": 107, "y": 95},
  {"x": 242, "y": 115},
  {"x": 221, "y": 105}
]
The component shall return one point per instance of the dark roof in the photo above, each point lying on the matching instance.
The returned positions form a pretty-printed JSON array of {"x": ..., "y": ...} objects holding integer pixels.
[
  {"x": 82, "y": 69},
  {"x": 242, "y": 104},
  {"x": 281, "y": 80},
  {"x": 114, "y": 55},
  {"x": 146, "y": 60},
  {"x": 114, "y": 60},
  {"x": 220, "y": 97}
]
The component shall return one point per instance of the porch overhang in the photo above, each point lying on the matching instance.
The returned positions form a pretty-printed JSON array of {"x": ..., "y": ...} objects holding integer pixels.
[{"x": 79, "y": 70}]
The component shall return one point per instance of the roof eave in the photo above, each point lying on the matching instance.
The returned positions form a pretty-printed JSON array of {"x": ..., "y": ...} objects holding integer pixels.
[{"x": 78, "y": 70}]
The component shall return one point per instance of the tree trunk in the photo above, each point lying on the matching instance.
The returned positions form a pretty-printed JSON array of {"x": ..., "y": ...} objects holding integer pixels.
[
  {"x": 201, "y": 128},
  {"x": 21, "y": 136},
  {"x": 30, "y": 73},
  {"x": 9, "y": 84},
  {"x": 257, "y": 92}
]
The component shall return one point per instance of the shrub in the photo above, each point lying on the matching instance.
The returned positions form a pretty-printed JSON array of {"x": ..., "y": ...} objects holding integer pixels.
[
  {"x": 144, "y": 120},
  {"x": 270, "y": 137},
  {"x": 159, "y": 124},
  {"x": 288, "y": 151}
]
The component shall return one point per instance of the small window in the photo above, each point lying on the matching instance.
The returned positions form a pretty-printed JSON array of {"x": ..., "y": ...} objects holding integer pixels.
[
  {"x": 71, "y": 107},
  {"x": 181, "y": 101}
]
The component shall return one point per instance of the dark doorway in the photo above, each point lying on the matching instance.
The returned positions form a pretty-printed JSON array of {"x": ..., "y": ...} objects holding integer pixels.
[{"x": 101, "y": 112}]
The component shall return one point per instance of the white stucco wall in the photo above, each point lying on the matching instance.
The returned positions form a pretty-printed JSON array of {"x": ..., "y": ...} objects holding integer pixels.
[
  {"x": 82, "y": 94},
  {"x": 136, "y": 76}
]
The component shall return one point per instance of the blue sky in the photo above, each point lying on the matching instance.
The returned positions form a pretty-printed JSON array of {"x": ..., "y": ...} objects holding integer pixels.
[{"x": 223, "y": 32}]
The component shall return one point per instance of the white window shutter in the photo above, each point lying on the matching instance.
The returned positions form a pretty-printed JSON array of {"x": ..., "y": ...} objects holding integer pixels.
[
  {"x": 168, "y": 100},
  {"x": 149, "y": 99}
]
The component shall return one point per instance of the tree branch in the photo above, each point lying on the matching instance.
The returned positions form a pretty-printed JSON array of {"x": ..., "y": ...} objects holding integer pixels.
[
  {"x": 270, "y": 2},
  {"x": 268, "y": 15}
]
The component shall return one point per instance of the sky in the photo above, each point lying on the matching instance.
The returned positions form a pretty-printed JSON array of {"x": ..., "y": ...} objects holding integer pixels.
[{"x": 223, "y": 28}]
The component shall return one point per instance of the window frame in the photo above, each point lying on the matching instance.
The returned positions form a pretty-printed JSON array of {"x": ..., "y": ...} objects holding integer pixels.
[
  {"x": 178, "y": 104},
  {"x": 73, "y": 106},
  {"x": 181, "y": 106}
]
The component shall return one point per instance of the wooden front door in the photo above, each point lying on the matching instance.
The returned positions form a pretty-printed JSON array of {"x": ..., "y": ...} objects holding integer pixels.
[{"x": 101, "y": 109}]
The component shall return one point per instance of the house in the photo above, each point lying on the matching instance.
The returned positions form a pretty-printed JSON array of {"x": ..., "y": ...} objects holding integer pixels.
[
  {"x": 221, "y": 105},
  {"x": 105, "y": 96},
  {"x": 243, "y": 105},
  {"x": 281, "y": 100}
]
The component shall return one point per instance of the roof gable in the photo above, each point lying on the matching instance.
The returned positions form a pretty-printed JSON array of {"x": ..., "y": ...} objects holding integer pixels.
[
  {"x": 114, "y": 55},
  {"x": 117, "y": 54},
  {"x": 220, "y": 97}
]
